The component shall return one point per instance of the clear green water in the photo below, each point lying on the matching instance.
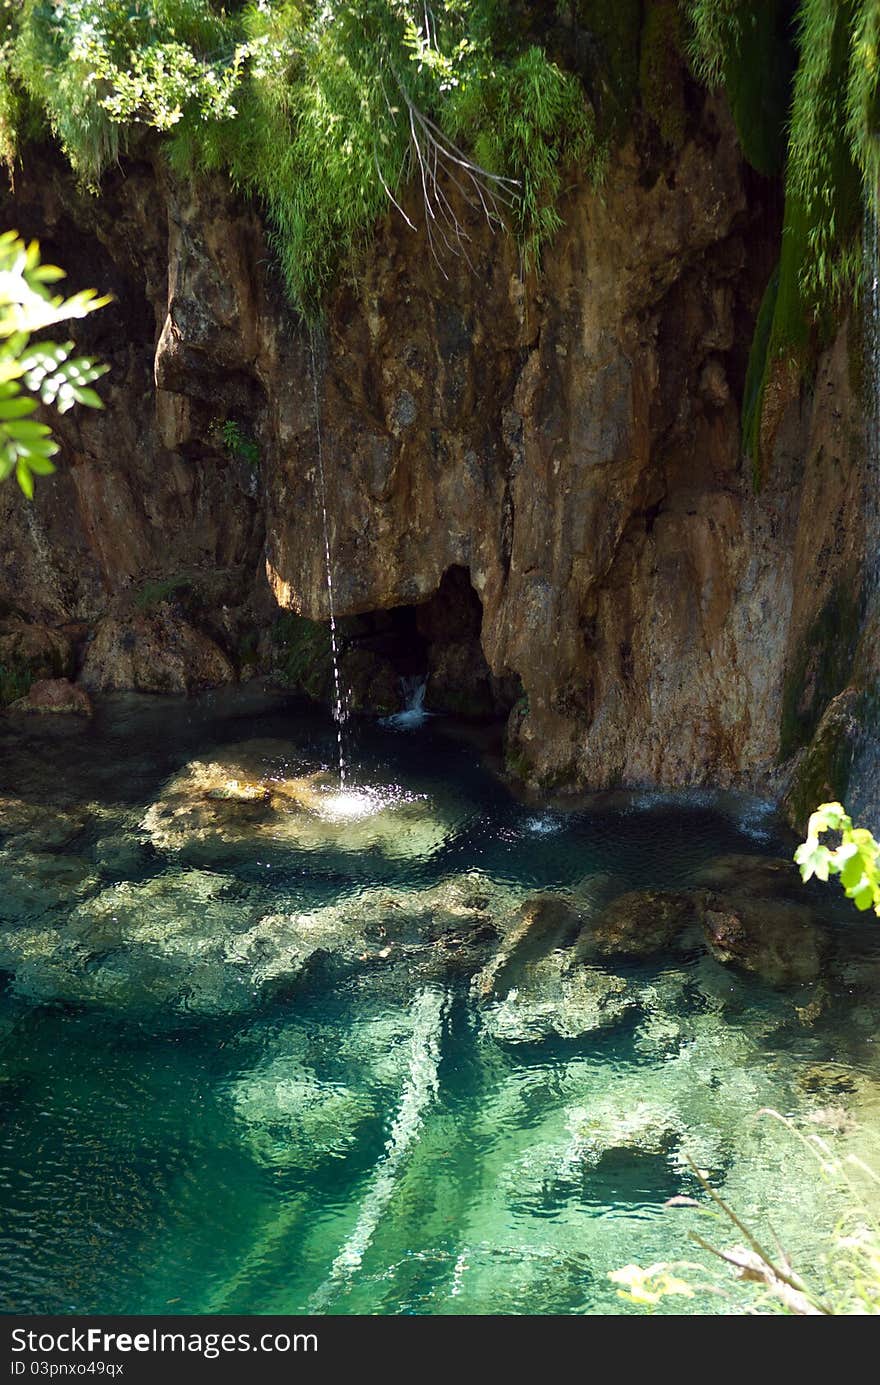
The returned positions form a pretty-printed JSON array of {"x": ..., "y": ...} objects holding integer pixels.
[{"x": 201, "y": 1113}]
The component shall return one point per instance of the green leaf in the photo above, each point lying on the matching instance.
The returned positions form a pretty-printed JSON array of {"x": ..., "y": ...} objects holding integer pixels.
[
  {"x": 25, "y": 479},
  {"x": 17, "y": 408}
]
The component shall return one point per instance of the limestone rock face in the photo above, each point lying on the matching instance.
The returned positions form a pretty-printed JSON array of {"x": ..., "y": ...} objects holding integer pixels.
[
  {"x": 159, "y": 654},
  {"x": 568, "y": 443}
]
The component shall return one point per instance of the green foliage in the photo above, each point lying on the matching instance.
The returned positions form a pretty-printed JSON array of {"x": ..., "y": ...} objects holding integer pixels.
[
  {"x": 303, "y": 656},
  {"x": 323, "y": 112},
  {"x": 831, "y": 163},
  {"x": 15, "y": 681},
  {"x": 239, "y": 444},
  {"x": 529, "y": 120},
  {"x": 46, "y": 372},
  {"x": 747, "y": 46},
  {"x": 854, "y": 859}
]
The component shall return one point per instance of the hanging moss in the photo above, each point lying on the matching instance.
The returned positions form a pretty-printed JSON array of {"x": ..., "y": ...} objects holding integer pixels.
[
  {"x": 755, "y": 371},
  {"x": 758, "y": 76},
  {"x": 661, "y": 70},
  {"x": 819, "y": 256},
  {"x": 612, "y": 36}
]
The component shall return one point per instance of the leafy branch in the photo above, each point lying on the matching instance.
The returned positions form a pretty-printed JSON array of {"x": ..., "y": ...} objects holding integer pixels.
[
  {"x": 46, "y": 372},
  {"x": 855, "y": 859}
]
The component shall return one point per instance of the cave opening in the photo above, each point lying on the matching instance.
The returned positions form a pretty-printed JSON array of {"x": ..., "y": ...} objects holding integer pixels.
[{"x": 436, "y": 642}]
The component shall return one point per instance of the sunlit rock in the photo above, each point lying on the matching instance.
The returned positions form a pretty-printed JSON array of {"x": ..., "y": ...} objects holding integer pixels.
[{"x": 256, "y": 794}]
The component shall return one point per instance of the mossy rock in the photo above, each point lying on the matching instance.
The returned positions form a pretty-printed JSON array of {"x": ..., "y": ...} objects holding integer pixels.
[
  {"x": 662, "y": 71},
  {"x": 303, "y": 656},
  {"x": 820, "y": 666},
  {"x": 822, "y": 774},
  {"x": 29, "y": 652}
]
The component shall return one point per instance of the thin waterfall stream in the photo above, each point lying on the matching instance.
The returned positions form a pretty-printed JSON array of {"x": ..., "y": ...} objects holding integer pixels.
[
  {"x": 864, "y": 784},
  {"x": 339, "y": 703}
]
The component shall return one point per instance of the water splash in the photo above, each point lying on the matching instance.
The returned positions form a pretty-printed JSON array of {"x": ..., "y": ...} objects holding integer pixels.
[
  {"x": 339, "y": 709},
  {"x": 414, "y": 712}
]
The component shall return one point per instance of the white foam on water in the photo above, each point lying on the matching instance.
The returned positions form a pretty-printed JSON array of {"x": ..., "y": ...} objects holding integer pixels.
[
  {"x": 414, "y": 713},
  {"x": 421, "y": 1088},
  {"x": 542, "y": 825}
]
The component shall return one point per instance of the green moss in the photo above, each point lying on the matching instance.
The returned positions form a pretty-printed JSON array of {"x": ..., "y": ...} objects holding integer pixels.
[
  {"x": 303, "y": 655},
  {"x": 153, "y": 593},
  {"x": 757, "y": 78},
  {"x": 613, "y": 74},
  {"x": 824, "y": 772},
  {"x": 820, "y": 667},
  {"x": 753, "y": 391},
  {"x": 15, "y": 681},
  {"x": 661, "y": 71}
]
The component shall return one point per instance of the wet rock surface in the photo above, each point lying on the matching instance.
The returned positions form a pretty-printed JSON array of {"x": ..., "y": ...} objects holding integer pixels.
[
  {"x": 642, "y": 923},
  {"x": 54, "y": 696},
  {"x": 639, "y": 617},
  {"x": 777, "y": 940}
]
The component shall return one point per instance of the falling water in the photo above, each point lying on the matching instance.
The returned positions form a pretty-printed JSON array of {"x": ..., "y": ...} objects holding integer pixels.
[
  {"x": 864, "y": 786},
  {"x": 339, "y": 705},
  {"x": 871, "y": 270}
]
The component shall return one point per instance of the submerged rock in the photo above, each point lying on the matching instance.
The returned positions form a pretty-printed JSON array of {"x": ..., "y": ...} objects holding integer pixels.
[
  {"x": 642, "y": 923},
  {"x": 776, "y": 940},
  {"x": 35, "y": 883},
  {"x": 255, "y": 793},
  {"x": 291, "y": 1118},
  {"x": 551, "y": 1002},
  {"x": 764, "y": 877},
  {"x": 544, "y": 923},
  {"x": 32, "y": 823}
]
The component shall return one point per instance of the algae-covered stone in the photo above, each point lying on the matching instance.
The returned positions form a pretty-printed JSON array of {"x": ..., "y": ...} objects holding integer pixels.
[
  {"x": 641, "y": 923},
  {"x": 773, "y": 938}
]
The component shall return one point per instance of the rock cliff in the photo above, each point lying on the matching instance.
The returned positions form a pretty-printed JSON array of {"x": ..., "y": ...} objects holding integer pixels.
[{"x": 534, "y": 484}]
